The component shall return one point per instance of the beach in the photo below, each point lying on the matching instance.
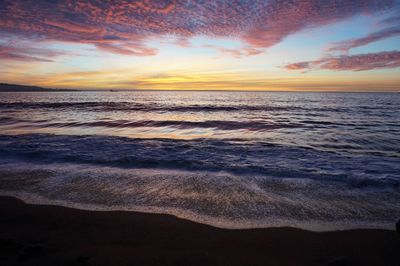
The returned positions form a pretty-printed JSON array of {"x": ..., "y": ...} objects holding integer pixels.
[
  {"x": 53, "y": 235},
  {"x": 179, "y": 133}
]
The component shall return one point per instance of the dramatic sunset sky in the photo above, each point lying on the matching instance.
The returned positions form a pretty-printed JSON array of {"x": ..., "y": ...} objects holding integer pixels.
[{"x": 202, "y": 44}]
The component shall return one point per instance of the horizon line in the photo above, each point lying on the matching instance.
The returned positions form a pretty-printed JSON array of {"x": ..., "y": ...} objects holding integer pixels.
[{"x": 199, "y": 90}]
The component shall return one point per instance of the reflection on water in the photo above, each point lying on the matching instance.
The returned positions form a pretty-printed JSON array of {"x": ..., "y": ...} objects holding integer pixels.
[
  {"x": 231, "y": 159},
  {"x": 345, "y": 121}
]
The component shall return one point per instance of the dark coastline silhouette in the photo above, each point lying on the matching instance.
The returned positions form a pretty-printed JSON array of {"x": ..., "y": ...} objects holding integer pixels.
[{"x": 4, "y": 87}]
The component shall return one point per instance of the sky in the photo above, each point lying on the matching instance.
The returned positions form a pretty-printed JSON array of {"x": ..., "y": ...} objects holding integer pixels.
[{"x": 284, "y": 45}]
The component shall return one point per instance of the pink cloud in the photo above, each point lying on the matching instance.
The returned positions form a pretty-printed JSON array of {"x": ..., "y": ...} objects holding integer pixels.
[
  {"x": 288, "y": 17},
  {"x": 358, "y": 62},
  {"x": 183, "y": 42},
  {"x": 9, "y": 51},
  {"x": 238, "y": 52},
  {"x": 123, "y": 26},
  {"x": 126, "y": 49},
  {"x": 299, "y": 66},
  {"x": 345, "y": 46}
]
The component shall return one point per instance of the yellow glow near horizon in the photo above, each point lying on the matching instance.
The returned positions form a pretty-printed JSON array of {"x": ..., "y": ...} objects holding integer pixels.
[{"x": 214, "y": 80}]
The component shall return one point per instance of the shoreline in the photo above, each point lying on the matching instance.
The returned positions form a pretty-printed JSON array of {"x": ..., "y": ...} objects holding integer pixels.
[
  {"x": 54, "y": 235},
  {"x": 312, "y": 226}
]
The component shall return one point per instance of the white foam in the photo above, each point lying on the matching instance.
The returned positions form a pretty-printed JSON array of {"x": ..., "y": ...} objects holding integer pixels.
[{"x": 217, "y": 199}]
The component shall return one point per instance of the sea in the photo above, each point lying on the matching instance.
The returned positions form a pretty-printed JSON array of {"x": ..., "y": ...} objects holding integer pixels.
[{"x": 316, "y": 161}]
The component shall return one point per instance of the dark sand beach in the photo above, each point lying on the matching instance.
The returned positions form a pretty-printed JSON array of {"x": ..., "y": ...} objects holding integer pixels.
[{"x": 52, "y": 235}]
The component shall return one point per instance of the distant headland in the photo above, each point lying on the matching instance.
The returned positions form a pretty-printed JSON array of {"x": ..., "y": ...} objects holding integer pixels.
[{"x": 4, "y": 87}]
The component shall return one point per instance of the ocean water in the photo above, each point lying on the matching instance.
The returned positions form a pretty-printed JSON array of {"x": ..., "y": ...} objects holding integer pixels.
[{"x": 318, "y": 161}]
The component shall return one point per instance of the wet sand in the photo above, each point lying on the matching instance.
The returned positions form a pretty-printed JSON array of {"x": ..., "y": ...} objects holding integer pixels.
[{"x": 52, "y": 235}]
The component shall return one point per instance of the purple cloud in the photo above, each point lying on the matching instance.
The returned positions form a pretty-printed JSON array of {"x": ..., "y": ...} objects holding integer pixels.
[
  {"x": 9, "y": 52},
  {"x": 124, "y": 26},
  {"x": 391, "y": 28},
  {"x": 359, "y": 62},
  {"x": 238, "y": 52}
]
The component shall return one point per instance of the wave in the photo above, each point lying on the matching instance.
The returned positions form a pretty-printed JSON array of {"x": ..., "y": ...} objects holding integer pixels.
[
  {"x": 221, "y": 125},
  {"x": 253, "y": 125},
  {"x": 230, "y": 183},
  {"x": 215, "y": 198},
  {"x": 216, "y": 124},
  {"x": 148, "y": 107},
  {"x": 234, "y": 156},
  {"x": 103, "y": 106}
]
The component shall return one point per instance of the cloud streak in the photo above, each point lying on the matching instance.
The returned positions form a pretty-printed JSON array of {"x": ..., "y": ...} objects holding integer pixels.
[
  {"x": 373, "y": 37},
  {"x": 237, "y": 52},
  {"x": 123, "y": 26},
  {"x": 359, "y": 62},
  {"x": 15, "y": 53},
  {"x": 391, "y": 29}
]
